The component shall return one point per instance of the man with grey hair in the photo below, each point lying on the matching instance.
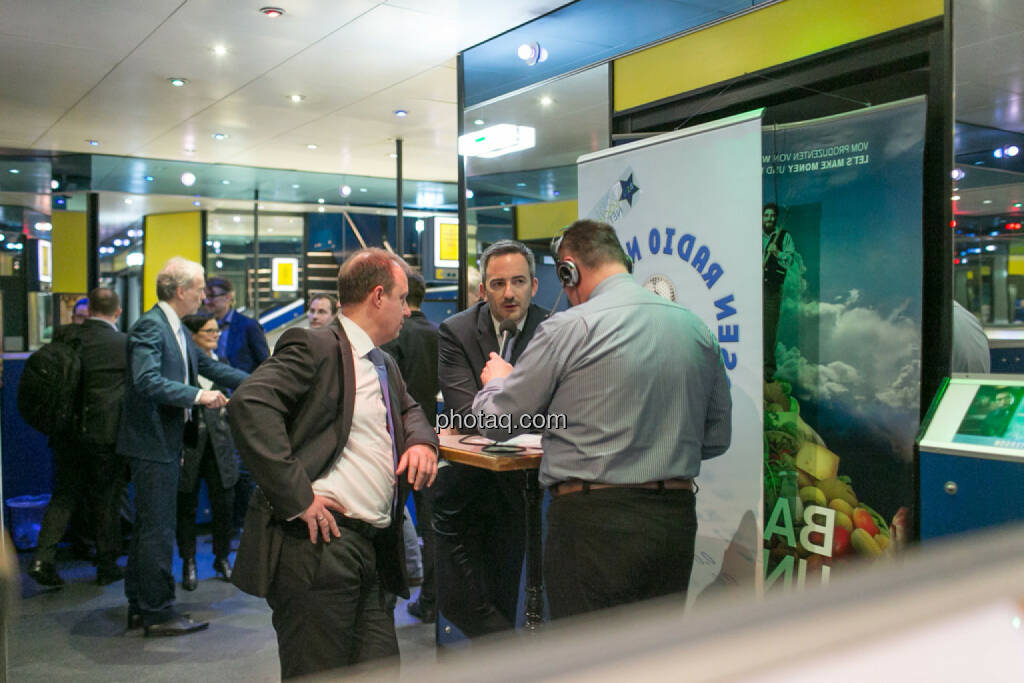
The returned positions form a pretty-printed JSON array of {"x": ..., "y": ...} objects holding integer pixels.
[
  {"x": 161, "y": 392},
  {"x": 479, "y": 515}
]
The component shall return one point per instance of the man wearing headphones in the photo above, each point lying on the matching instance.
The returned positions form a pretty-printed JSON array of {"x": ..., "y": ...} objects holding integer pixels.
[{"x": 643, "y": 387}]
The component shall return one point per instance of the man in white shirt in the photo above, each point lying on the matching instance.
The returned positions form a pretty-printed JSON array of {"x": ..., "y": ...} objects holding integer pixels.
[{"x": 334, "y": 441}]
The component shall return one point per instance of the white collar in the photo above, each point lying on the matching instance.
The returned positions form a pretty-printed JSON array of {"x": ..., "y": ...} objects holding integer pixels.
[
  {"x": 357, "y": 337},
  {"x": 497, "y": 325},
  {"x": 172, "y": 316}
]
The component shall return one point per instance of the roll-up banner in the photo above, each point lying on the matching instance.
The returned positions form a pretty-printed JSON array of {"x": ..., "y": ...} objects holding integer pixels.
[
  {"x": 686, "y": 207},
  {"x": 841, "y": 232}
]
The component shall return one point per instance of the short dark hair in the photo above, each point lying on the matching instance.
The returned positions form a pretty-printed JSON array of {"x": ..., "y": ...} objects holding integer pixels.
[
  {"x": 502, "y": 247},
  {"x": 417, "y": 289},
  {"x": 331, "y": 299},
  {"x": 592, "y": 243},
  {"x": 103, "y": 301},
  {"x": 771, "y": 205},
  {"x": 365, "y": 270},
  {"x": 195, "y": 322},
  {"x": 219, "y": 282}
]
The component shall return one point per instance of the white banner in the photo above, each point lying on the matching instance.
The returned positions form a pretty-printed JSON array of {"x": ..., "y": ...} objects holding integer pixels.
[{"x": 687, "y": 209}]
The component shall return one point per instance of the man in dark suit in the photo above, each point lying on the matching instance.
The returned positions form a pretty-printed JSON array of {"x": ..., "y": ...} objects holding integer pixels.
[
  {"x": 242, "y": 340},
  {"x": 479, "y": 515},
  {"x": 86, "y": 463},
  {"x": 323, "y": 535},
  {"x": 415, "y": 351},
  {"x": 163, "y": 365}
]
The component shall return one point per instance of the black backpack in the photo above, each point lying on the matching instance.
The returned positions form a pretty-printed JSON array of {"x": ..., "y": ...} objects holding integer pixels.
[{"x": 49, "y": 393}]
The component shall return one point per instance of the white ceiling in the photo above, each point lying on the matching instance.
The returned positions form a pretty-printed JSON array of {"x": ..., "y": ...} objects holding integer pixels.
[{"x": 79, "y": 70}]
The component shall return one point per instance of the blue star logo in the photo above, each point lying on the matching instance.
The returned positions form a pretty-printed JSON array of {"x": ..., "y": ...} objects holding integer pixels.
[{"x": 628, "y": 190}]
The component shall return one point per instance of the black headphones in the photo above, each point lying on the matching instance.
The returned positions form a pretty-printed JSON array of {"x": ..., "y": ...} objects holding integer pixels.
[{"x": 567, "y": 272}]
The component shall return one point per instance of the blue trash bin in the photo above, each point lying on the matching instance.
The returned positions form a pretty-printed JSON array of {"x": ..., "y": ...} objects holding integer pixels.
[{"x": 25, "y": 515}]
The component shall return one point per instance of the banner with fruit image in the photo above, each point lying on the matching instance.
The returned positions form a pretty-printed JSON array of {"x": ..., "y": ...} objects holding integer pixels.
[{"x": 842, "y": 251}]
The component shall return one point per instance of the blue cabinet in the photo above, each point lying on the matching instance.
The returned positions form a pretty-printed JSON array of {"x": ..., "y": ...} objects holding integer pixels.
[{"x": 964, "y": 493}]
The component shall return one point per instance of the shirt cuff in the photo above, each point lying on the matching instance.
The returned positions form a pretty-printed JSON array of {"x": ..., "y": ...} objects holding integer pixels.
[{"x": 199, "y": 394}]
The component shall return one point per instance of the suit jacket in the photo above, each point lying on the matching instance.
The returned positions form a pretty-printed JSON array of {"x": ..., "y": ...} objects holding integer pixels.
[
  {"x": 103, "y": 352},
  {"x": 153, "y": 418},
  {"x": 290, "y": 421},
  {"x": 466, "y": 341},
  {"x": 246, "y": 345},
  {"x": 213, "y": 430},
  {"x": 415, "y": 351}
]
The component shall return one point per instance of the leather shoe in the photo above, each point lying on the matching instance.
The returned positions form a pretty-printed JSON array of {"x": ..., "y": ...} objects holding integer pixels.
[
  {"x": 45, "y": 574},
  {"x": 179, "y": 626},
  {"x": 189, "y": 574},
  {"x": 134, "y": 622},
  {"x": 223, "y": 568},
  {"x": 425, "y": 614},
  {"x": 107, "y": 574}
]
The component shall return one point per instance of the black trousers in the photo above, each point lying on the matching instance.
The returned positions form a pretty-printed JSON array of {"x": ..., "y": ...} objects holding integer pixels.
[
  {"x": 89, "y": 474},
  {"x": 148, "y": 580},
  {"x": 479, "y": 528},
  {"x": 328, "y": 606},
  {"x": 222, "y": 501},
  {"x": 425, "y": 528},
  {"x": 618, "y": 545}
]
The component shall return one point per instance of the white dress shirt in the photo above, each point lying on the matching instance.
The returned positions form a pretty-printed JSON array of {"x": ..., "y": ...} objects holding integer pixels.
[
  {"x": 175, "y": 321},
  {"x": 363, "y": 478}
]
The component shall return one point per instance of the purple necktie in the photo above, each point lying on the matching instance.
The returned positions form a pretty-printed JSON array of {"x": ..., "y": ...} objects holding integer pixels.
[{"x": 376, "y": 357}]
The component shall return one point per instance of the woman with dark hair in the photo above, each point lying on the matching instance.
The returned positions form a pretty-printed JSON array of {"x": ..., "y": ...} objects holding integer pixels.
[{"x": 209, "y": 453}]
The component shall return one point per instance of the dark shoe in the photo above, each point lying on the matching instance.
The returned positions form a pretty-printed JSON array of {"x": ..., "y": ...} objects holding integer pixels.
[
  {"x": 179, "y": 626},
  {"x": 189, "y": 574},
  {"x": 427, "y": 615},
  {"x": 223, "y": 568},
  {"x": 107, "y": 574},
  {"x": 45, "y": 574},
  {"x": 134, "y": 623}
]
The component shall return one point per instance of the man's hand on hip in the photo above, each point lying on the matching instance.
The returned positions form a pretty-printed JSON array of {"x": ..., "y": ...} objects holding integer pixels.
[
  {"x": 319, "y": 519},
  {"x": 212, "y": 399},
  {"x": 421, "y": 461}
]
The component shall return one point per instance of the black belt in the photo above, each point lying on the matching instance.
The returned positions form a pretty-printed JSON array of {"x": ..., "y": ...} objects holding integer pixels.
[{"x": 299, "y": 529}]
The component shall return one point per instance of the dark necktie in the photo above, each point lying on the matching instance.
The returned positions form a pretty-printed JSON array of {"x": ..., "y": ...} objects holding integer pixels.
[
  {"x": 506, "y": 353},
  {"x": 376, "y": 357},
  {"x": 184, "y": 347}
]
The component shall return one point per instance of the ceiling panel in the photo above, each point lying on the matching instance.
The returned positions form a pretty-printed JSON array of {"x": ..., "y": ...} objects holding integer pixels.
[{"x": 113, "y": 25}]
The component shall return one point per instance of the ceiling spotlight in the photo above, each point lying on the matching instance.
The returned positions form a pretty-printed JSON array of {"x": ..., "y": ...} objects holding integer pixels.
[
  {"x": 1011, "y": 150},
  {"x": 957, "y": 174},
  {"x": 319, "y": 209},
  {"x": 149, "y": 178},
  {"x": 296, "y": 98},
  {"x": 196, "y": 203},
  {"x": 54, "y": 184},
  {"x": 478, "y": 122},
  {"x": 998, "y": 153},
  {"x": 987, "y": 201},
  {"x": 117, "y": 243},
  {"x": 401, "y": 113},
  {"x": 220, "y": 50},
  {"x": 520, "y": 184},
  {"x": 393, "y": 155},
  {"x": 295, "y": 186},
  {"x": 128, "y": 200},
  {"x": 469, "y": 194},
  {"x": 188, "y": 179},
  {"x": 237, "y": 219},
  {"x": 320, "y": 200},
  {"x": 345, "y": 190},
  {"x": 14, "y": 171},
  {"x": 93, "y": 143},
  {"x": 219, "y": 263},
  {"x": 362, "y": 189},
  {"x": 956, "y": 198},
  {"x": 546, "y": 101},
  {"x": 272, "y": 12},
  {"x": 310, "y": 146},
  {"x": 225, "y": 182},
  {"x": 220, "y": 136},
  {"x": 176, "y": 81},
  {"x": 532, "y": 53}
]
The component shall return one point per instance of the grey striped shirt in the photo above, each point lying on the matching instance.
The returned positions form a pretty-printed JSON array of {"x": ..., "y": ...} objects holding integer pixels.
[{"x": 640, "y": 380}]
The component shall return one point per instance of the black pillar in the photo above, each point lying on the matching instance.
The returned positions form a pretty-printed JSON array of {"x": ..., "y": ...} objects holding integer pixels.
[{"x": 399, "y": 218}]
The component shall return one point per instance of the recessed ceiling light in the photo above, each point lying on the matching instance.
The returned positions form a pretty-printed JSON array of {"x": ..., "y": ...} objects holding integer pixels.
[
  {"x": 54, "y": 184},
  {"x": 196, "y": 203},
  {"x": 470, "y": 194},
  {"x": 531, "y": 53},
  {"x": 220, "y": 136},
  {"x": 362, "y": 189},
  {"x": 345, "y": 190},
  {"x": 295, "y": 186},
  {"x": 188, "y": 179},
  {"x": 401, "y": 113},
  {"x": 393, "y": 155},
  {"x": 987, "y": 201},
  {"x": 220, "y": 50},
  {"x": 320, "y": 200},
  {"x": 14, "y": 171},
  {"x": 225, "y": 182},
  {"x": 296, "y": 98},
  {"x": 956, "y": 198},
  {"x": 127, "y": 200},
  {"x": 272, "y": 12},
  {"x": 320, "y": 209},
  {"x": 149, "y": 178},
  {"x": 176, "y": 81},
  {"x": 520, "y": 184},
  {"x": 546, "y": 101},
  {"x": 310, "y": 146},
  {"x": 94, "y": 143},
  {"x": 261, "y": 207},
  {"x": 478, "y": 122},
  {"x": 237, "y": 219}
]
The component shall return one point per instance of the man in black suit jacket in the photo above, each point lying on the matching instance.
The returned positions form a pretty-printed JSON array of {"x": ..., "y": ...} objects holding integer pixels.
[
  {"x": 479, "y": 515},
  {"x": 86, "y": 463},
  {"x": 242, "y": 340},
  {"x": 333, "y": 475},
  {"x": 163, "y": 390},
  {"x": 415, "y": 351}
]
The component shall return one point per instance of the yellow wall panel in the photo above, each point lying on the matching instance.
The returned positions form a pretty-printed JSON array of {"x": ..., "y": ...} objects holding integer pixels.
[
  {"x": 169, "y": 235},
  {"x": 70, "y": 269},
  {"x": 773, "y": 35},
  {"x": 542, "y": 221}
]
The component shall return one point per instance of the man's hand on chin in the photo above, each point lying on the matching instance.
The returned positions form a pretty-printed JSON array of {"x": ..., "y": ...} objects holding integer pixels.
[
  {"x": 421, "y": 461},
  {"x": 496, "y": 367}
]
